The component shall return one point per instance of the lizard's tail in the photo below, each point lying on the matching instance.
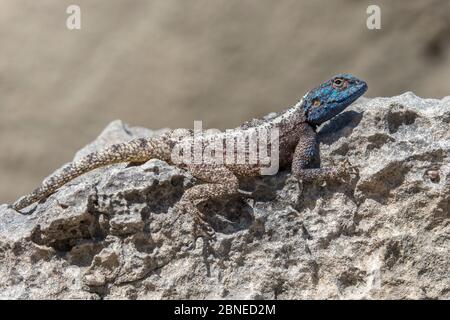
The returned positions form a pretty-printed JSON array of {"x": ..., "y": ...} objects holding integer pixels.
[{"x": 138, "y": 150}]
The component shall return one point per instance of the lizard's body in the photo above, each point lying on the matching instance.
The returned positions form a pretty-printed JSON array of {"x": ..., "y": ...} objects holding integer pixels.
[{"x": 298, "y": 146}]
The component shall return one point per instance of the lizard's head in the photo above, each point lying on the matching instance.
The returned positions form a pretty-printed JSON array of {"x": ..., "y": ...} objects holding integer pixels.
[{"x": 332, "y": 97}]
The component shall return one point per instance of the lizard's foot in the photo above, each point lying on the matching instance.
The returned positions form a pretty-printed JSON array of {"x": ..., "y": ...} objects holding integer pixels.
[
  {"x": 200, "y": 228},
  {"x": 346, "y": 170}
]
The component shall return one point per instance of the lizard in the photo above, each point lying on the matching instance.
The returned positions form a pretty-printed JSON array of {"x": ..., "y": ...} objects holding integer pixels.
[{"x": 297, "y": 143}]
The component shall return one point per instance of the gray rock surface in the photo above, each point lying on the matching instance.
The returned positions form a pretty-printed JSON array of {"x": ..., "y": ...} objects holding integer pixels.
[{"x": 112, "y": 233}]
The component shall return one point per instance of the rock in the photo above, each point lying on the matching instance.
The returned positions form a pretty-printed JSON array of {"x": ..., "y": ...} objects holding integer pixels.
[{"x": 113, "y": 233}]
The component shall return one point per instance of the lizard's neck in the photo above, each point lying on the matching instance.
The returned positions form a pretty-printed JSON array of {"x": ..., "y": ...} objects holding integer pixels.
[{"x": 287, "y": 120}]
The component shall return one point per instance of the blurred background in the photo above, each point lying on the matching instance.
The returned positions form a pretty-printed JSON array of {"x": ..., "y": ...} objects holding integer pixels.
[{"x": 166, "y": 63}]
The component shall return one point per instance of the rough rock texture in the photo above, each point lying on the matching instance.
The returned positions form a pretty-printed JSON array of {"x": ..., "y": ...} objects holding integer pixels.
[{"x": 112, "y": 233}]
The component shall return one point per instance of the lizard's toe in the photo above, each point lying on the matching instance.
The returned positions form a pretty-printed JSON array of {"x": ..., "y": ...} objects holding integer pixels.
[
  {"x": 346, "y": 170},
  {"x": 204, "y": 230}
]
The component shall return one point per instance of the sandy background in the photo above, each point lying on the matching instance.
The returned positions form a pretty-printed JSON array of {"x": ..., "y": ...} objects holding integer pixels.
[{"x": 167, "y": 63}]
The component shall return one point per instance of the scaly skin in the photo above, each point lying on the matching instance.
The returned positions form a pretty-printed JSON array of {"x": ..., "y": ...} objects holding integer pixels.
[{"x": 298, "y": 147}]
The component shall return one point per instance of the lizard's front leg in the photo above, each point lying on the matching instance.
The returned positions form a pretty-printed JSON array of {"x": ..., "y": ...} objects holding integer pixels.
[
  {"x": 219, "y": 182},
  {"x": 306, "y": 159}
]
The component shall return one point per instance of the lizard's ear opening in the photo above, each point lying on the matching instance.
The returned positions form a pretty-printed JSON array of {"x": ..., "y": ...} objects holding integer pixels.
[{"x": 315, "y": 103}]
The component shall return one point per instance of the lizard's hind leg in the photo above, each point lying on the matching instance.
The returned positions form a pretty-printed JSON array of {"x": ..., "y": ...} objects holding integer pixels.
[{"x": 219, "y": 182}]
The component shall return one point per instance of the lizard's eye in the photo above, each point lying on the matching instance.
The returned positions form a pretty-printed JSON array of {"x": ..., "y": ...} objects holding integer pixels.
[{"x": 338, "y": 83}]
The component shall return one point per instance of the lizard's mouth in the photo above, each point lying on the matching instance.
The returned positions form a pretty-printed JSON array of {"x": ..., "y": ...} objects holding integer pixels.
[{"x": 360, "y": 89}]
